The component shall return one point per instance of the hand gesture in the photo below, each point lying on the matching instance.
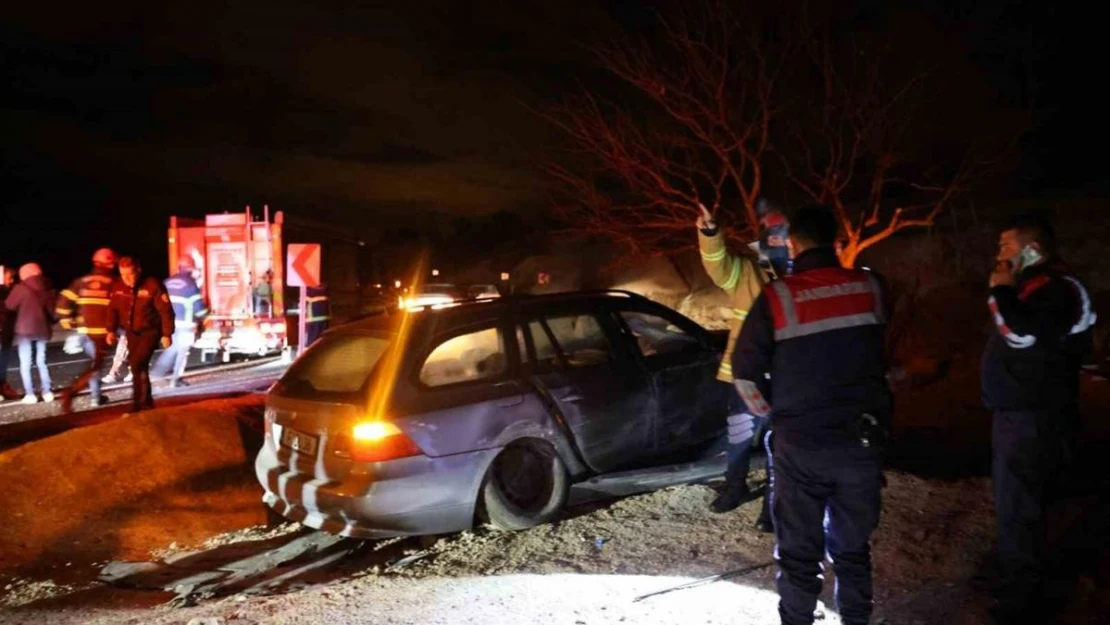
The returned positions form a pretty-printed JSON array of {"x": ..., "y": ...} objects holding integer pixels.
[
  {"x": 166, "y": 342},
  {"x": 705, "y": 219}
]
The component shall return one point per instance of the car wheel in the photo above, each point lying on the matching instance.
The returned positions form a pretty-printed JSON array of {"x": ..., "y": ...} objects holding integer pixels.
[{"x": 527, "y": 485}]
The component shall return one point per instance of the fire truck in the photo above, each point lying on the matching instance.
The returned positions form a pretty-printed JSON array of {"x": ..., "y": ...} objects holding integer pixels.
[{"x": 240, "y": 268}]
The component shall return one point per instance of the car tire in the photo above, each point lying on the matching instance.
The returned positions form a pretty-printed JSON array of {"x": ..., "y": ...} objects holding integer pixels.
[{"x": 527, "y": 485}]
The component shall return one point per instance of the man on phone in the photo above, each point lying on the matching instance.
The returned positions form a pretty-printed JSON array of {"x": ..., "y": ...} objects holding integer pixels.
[{"x": 1027, "y": 382}]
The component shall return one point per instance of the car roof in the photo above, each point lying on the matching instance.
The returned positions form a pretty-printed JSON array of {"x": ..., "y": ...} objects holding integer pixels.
[{"x": 469, "y": 312}]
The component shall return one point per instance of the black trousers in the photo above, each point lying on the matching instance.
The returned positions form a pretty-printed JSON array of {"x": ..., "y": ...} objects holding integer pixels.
[
  {"x": 824, "y": 501},
  {"x": 1027, "y": 454},
  {"x": 140, "y": 349}
]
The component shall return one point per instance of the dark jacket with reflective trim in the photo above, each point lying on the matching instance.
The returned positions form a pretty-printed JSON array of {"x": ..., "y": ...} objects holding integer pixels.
[
  {"x": 1025, "y": 364},
  {"x": 820, "y": 333},
  {"x": 84, "y": 305},
  {"x": 188, "y": 305},
  {"x": 142, "y": 309},
  {"x": 318, "y": 308}
]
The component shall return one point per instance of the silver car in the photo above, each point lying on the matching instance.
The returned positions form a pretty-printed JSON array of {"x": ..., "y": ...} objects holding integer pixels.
[{"x": 487, "y": 411}]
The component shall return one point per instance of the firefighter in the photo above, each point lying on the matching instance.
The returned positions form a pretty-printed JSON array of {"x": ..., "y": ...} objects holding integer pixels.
[
  {"x": 141, "y": 307},
  {"x": 1030, "y": 382},
  {"x": 83, "y": 307},
  {"x": 264, "y": 294},
  {"x": 319, "y": 315},
  {"x": 188, "y": 311},
  {"x": 820, "y": 333},
  {"x": 742, "y": 277}
]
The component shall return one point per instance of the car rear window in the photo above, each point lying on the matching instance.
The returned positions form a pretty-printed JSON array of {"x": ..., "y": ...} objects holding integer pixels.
[
  {"x": 466, "y": 358},
  {"x": 337, "y": 364}
]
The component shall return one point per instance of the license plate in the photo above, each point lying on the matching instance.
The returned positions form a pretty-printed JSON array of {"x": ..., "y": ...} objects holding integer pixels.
[{"x": 298, "y": 441}]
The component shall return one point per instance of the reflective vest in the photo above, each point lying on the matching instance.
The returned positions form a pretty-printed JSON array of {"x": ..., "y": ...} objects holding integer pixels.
[
  {"x": 825, "y": 299},
  {"x": 828, "y": 361}
]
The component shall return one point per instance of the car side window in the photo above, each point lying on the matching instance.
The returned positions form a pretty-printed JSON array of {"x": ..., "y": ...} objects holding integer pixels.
[
  {"x": 466, "y": 358},
  {"x": 580, "y": 337},
  {"x": 656, "y": 335},
  {"x": 547, "y": 355}
]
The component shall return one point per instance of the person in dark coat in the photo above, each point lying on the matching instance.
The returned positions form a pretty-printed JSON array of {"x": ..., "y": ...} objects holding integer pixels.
[
  {"x": 7, "y": 333},
  {"x": 31, "y": 301},
  {"x": 140, "y": 306},
  {"x": 1029, "y": 375}
]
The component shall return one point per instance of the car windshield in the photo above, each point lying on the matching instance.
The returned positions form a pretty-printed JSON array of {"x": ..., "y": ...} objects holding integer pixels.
[{"x": 337, "y": 367}]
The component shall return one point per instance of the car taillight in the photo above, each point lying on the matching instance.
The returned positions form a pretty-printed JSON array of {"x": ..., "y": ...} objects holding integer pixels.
[{"x": 376, "y": 441}]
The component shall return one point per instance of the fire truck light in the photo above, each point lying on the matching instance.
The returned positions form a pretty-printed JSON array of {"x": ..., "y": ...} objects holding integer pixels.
[
  {"x": 505, "y": 275},
  {"x": 396, "y": 284},
  {"x": 435, "y": 272}
]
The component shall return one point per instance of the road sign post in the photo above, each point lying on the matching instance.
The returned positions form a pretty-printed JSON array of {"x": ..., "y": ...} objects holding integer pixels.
[{"x": 303, "y": 271}]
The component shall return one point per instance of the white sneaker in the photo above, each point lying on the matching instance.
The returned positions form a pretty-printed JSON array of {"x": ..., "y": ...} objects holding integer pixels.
[
  {"x": 129, "y": 378},
  {"x": 109, "y": 379},
  {"x": 48, "y": 397},
  {"x": 29, "y": 399}
]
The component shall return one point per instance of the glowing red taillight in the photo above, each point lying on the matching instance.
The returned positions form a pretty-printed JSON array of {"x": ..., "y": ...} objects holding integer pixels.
[{"x": 377, "y": 441}]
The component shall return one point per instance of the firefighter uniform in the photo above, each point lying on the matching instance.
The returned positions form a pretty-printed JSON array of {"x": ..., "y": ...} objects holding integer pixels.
[
  {"x": 1030, "y": 382},
  {"x": 820, "y": 334},
  {"x": 319, "y": 313},
  {"x": 740, "y": 276},
  {"x": 145, "y": 313},
  {"x": 188, "y": 311},
  {"x": 83, "y": 307}
]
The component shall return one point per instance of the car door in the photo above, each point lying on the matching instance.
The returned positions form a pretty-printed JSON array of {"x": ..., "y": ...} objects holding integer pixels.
[
  {"x": 682, "y": 363},
  {"x": 602, "y": 395}
]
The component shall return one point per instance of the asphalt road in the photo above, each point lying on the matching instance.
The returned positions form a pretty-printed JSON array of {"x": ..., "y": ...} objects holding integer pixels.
[
  {"x": 65, "y": 368},
  {"x": 22, "y": 423}
]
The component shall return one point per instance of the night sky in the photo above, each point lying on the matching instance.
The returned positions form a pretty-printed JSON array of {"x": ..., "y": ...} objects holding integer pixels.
[{"x": 118, "y": 116}]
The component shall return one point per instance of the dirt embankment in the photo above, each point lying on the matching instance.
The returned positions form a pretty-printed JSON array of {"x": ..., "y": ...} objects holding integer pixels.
[{"x": 122, "y": 488}]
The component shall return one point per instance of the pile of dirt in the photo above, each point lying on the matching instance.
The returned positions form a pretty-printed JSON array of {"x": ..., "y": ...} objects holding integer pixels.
[{"x": 116, "y": 490}]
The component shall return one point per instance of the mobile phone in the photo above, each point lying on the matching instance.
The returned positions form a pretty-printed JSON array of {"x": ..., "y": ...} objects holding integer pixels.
[{"x": 1028, "y": 257}]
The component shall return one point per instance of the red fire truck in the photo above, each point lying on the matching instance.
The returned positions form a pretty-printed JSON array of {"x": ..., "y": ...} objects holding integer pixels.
[{"x": 240, "y": 264}]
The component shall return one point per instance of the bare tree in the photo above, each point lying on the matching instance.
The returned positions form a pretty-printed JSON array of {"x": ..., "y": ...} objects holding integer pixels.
[
  {"x": 698, "y": 130},
  {"x": 717, "y": 96},
  {"x": 858, "y": 146}
]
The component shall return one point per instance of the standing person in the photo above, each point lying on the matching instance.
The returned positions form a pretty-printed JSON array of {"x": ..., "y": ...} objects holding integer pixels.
[
  {"x": 820, "y": 333},
  {"x": 319, "y": 313},
  {"x": 1029, "y": 379},
  {"x": 7, "y": 333},
  {"x": 84, "y": 307},
  {"x": 742, "y": 278},
  {"x": 188, "y": 311},
  {"x": 141, "y": 307},
  {"x": 264, "y": 294},
  {"x": 30, "y": 301}
]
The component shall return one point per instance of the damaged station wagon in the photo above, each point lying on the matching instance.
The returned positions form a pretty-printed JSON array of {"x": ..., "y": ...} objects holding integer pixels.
[{"x": 488, "y": 411}]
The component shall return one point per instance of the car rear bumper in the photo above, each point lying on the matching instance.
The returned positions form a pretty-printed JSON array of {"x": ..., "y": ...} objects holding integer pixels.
[{"x": 410, "y": 496}]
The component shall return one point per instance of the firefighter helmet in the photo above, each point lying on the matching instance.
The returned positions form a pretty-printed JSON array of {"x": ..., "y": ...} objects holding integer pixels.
[{"x": 104, "y": 257}]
